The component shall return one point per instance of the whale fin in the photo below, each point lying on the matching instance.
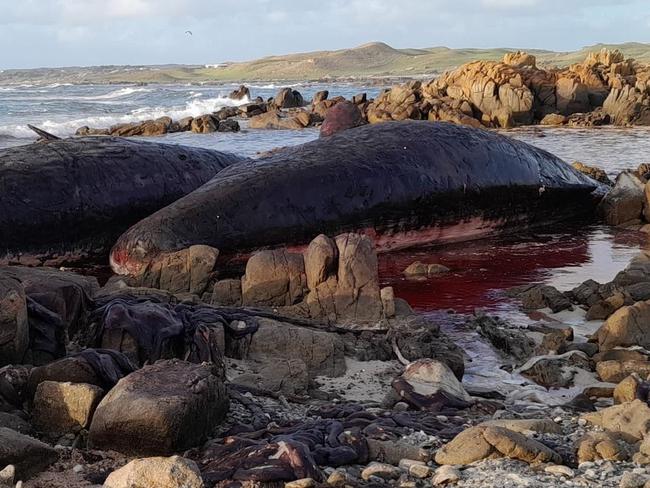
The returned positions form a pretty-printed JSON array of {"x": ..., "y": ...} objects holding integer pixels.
[{"x": 44, "y": 135}]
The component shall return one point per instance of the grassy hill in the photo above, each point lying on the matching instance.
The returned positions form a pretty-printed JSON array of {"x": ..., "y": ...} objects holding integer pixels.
[{"x": 369, "y": 60}]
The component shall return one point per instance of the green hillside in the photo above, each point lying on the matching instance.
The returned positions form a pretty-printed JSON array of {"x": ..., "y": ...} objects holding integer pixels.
[{"x": 369, "y": 60}]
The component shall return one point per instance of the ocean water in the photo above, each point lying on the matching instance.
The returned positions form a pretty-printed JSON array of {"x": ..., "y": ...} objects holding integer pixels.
[{"x": 62, "y": 109}]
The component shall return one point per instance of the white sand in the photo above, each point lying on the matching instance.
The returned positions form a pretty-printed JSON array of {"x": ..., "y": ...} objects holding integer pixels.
[{"x": 364, "y": 381}]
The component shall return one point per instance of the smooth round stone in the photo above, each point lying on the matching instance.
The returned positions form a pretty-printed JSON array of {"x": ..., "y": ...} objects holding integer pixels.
[{"x": 559, "y": 470}]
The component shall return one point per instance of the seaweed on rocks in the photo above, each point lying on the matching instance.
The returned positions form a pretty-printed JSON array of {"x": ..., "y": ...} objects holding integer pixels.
[
  {"x": 506, "y": 339},
  {"x": 110, "y": 366},
  {"x": 332, "y": 435}
]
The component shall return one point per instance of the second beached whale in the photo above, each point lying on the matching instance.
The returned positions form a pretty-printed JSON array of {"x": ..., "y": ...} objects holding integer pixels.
[{"x": 66, "y": 200}]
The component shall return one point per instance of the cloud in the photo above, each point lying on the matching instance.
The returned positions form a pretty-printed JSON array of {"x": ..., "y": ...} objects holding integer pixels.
[
  {"x": 94, "y": 11},
  {"x": 73, "y": 34},
  {"x": 506, "y": 4},
  {"x": 151, "y": 31}
]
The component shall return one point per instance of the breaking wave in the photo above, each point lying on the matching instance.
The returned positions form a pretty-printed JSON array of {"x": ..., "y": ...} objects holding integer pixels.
[
  {"x": 122, "y": 92},
  {"x": 60, "y": 128}
]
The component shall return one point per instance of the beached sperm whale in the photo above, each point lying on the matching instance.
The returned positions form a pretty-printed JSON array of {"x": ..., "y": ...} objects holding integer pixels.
[
  {"x": 64, "y": 200},
  {"x": 402, "y": 183}
]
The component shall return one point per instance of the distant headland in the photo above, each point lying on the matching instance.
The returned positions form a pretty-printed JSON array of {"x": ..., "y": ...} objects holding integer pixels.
[{"x": 373, "y": 60}]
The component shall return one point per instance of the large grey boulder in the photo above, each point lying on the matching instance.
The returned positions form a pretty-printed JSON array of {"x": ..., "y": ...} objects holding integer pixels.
[
  {"x": 288, "y": 98},
  {"x": 321, "y": 351},
  {"x": 428, "y": 383},
  {"x": 636, "y": 272},
  {"x": 628, "y": 326},
  {"x": 163, "y": 408},
  {"x": 624, "y": 202}
]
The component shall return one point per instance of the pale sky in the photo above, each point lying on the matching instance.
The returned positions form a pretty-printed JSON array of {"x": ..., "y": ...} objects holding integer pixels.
[{"x": 35, "y": 33}]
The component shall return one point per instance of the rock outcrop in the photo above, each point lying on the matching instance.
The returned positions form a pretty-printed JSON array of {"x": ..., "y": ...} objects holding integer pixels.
[
  {"x": 201, "y": 124},
  {"x": 629, "y": 105},
  {"x": 624, "y": 202},
  {"x": 627, "y": 389},
  {"x": 185, "y": 271},
  {"x": 351, "y": 293},
  {"x": 418, "y": 269},
  {"x": 334, "y": 280},
  {"x": 241, "y": 93},
  {"x": 322, "y": 352},
  {"x": 516, "y": 91},
  {"x": 616, "y": 371},
  {"x": 597, "y": 446},
  {"x": 288, "y": 98},
  {"x": 344, "y": 115},
  {"x": 626, "y": 327},
  {"x": 496, "y": 90},
  {"x": 274, "y": 278},
  {"x": 593, "y": 172},
  {"x": 277, "y": 119},
  {"x": 630, "y": 420},
  {"x": 485, "y": 442}
]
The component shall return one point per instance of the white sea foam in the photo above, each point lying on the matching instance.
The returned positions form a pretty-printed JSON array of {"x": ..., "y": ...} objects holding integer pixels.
[
  {"x": 273, "y": 86},
  {"x": 57, "y": 85},
  {"x": 53, "y": 96},
  {"x": 62, "y": 128},
  {"x": 122, "y": 92}
]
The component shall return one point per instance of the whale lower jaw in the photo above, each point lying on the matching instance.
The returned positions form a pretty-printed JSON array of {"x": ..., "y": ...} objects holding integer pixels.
[{"x": 471, "y": 229}]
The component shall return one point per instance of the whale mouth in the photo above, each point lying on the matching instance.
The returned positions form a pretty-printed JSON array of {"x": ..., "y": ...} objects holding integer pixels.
[
  {"x": 130, "y": 259},
  {"x": 119, "y": 262}
]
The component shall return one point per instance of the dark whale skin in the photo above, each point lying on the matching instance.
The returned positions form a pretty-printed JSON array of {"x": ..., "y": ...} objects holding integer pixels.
[
  {"x": 402, "y": 183},
  {"x": 65, "y": 201}
]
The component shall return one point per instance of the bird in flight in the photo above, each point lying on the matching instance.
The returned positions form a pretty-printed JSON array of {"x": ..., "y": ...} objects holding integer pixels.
[{"x": 189, "y": 32}]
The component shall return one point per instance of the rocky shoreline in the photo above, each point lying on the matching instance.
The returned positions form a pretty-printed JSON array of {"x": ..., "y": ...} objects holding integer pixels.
[
  {"x": 295, "y": 367},
  {"x": 264, "y": 380},
  {"x": 605, "y": 89}
]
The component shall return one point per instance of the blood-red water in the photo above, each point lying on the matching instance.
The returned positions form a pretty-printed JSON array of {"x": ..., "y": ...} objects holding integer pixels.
[{"x": 482, "y": 270}]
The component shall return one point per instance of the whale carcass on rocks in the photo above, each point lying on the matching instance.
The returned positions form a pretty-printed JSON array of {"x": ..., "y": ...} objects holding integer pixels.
[
  {"x": 65, "y": 200},
  {"x": 401, "y": 183}
]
